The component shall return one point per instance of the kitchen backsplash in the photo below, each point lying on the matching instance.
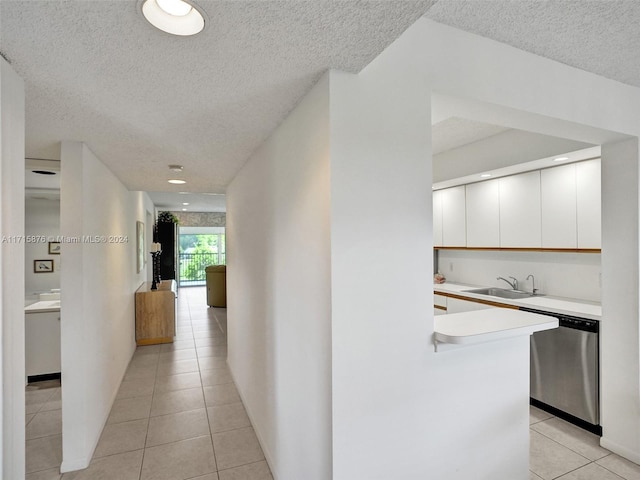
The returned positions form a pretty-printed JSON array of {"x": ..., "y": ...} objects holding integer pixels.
[{"x": 572, "y": 275}]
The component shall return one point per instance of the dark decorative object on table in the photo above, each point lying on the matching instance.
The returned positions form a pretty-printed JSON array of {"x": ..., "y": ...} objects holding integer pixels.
[{"x": 155, "y": 262}]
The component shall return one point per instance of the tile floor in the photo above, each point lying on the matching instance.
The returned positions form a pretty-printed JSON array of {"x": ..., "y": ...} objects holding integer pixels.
[
  {"x": 178, "y": 416},
  {"x": 559, "y": 450}
]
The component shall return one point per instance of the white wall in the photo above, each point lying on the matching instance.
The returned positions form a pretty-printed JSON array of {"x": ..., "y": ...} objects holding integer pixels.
[
  {"x": 42, "y": 218},
  {"x": 98, "y": 285},
  {"x": 619, "y": 330},
  {"x": 572, "y": 275},
  {"x": 399, "y": 409},
  {"x": 278, "y": 291},
  {"x": 498, "y": 151},
  {"x": 12, "y": 124}
]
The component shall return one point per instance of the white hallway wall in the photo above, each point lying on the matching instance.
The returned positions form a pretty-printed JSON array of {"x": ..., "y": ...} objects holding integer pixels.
[
  {"x": 278, "y": 281},
  {"x": 98, "y": 285},
  {"x": 388, "y": 410},
  {"x": 12, "y": 124}
]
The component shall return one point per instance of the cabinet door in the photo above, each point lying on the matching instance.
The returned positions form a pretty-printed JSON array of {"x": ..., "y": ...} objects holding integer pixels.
[
  {"x": 558, "y": 200},
  {"x": 437, "y": 218},
  {"x": 42, "y": 343},
  {"x": 483, "y": 214},
  {"x": 589, "y": 203},
  {"x": 520, "y": 211},
  {"x": 454, "y": 231},
  {"x": 455, "y": 305}
]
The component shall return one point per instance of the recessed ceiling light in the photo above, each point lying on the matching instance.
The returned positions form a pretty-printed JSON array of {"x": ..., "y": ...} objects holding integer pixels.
[
  {"x": 485, "y": 175},
  {"x": 185, "y": 203},
  {"x": 177, "y": 182},
  {"x": 560, "y": 159},
  {"x": 213, "y": 194},
  {"x": 177, "y": 17},
  {"x": 184, "y": 209},
  {"x": 177, "y": 8},
  {"x": 184, "y": 193}
]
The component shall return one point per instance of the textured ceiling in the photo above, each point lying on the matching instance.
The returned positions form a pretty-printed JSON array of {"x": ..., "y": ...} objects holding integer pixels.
[
  {"x": 455, "y": 132},
  {"x": 599, "y": 36},
  {"x": 96, "y": 71}
]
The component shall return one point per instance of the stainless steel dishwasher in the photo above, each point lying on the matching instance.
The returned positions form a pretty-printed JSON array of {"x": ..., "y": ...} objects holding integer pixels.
[{"x": 565, "y": 370}]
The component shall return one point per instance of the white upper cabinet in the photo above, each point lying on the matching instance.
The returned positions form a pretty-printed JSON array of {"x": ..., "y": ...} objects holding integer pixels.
[
  {"x": 454, "y": 230},
  {"x": 558, "y": 197},
  {"x": 437, "y": 218},
  {"x": 520, "y": 225},
  {"x": 588, "y": 203},
  {"x": 483, "y": 214},
  {"x": 558, "y": 207}
]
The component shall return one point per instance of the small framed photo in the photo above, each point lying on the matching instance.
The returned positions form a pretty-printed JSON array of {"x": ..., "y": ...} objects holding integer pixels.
[
  {"x": 54, "y": 248},
  {"x": 43, "y": 266}
]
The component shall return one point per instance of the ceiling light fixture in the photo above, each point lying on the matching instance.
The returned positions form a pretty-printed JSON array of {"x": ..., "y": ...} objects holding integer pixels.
[
  {"x": 177, "y": 17},
  {"x": 184, "y": 209},
  {"x": 177, "y": 182},
  {"x": 185, "y": 203},
  {"x": 485, "y": 175},
  {"x": 176, "y": 168},
  {"x": 560, "y": 159}
]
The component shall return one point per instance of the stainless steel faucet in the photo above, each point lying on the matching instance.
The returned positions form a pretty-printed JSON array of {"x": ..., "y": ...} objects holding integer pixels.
[
  {"x": 513, "y": 284},
  {"x": 534, "y": 290}
]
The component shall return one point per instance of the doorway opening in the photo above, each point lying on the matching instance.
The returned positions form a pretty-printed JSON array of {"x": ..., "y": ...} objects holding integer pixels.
[{"x": 198, "y": 248}]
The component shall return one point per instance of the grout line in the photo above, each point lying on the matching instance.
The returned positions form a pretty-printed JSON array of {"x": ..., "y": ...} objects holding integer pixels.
[{"x": 610, "y": 471}]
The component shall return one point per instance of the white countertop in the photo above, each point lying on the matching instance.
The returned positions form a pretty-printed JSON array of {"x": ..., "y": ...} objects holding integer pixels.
[
  {"x": 43, "y": 306},
  {"x": 566, "y": 306},
  {"x": 481, "y": 326}
]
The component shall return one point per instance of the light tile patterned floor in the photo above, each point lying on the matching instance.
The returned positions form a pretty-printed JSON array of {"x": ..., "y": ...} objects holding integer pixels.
[
  {"x": 560, "y": 450},
  {"x": 178, "y": 416}
]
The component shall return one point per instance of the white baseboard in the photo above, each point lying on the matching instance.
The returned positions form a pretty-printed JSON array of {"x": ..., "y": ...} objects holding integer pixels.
[
  {"x": 620, "y": 450},
  {"x": 267, "y": 453},
  {"x": 73, "y": 465}
]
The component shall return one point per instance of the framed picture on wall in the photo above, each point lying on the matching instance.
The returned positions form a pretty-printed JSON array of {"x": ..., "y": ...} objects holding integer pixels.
[
  {"x": 54, "y": 248},
  {"x": 140, "y": 246},
  {"x": 43, "y": 266}
]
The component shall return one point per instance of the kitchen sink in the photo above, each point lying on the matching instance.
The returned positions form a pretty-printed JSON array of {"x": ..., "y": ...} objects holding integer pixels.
[{"x": 501, "y": 292}]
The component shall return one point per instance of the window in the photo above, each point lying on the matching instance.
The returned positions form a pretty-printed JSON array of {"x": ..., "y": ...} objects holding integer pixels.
[{"x": 199, "y": 250}]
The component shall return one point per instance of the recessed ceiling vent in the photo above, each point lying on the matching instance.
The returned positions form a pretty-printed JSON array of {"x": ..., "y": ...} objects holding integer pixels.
[{"x": 43, "y": 172}]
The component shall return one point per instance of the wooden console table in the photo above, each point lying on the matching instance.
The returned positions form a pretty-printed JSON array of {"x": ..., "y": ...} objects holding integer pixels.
[{"x": 156, "y": 313}]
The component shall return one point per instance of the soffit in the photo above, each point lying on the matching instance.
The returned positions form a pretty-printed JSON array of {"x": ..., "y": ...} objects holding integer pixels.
[{"x": 601, "y": 37}]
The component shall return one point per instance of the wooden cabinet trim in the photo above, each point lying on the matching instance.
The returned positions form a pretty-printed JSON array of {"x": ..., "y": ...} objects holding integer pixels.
[
  {"x": 477, "y": 300},
  {"x": 526, "y": 249}
]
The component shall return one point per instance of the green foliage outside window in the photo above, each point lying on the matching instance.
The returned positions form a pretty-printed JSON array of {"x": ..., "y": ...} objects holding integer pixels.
[{"x": 198, "y": 252}]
